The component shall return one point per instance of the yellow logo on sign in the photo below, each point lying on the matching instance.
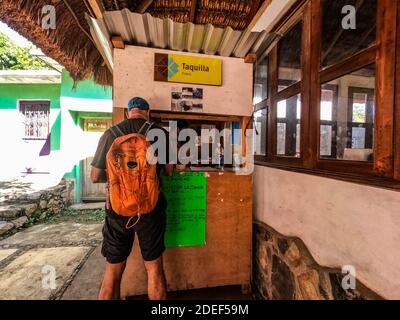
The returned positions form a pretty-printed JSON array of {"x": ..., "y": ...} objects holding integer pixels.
[{"x": 196, "y": 70}]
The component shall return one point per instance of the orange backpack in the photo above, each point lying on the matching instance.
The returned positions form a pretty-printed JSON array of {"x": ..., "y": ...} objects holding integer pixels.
[{"x": 132, "y": 182}]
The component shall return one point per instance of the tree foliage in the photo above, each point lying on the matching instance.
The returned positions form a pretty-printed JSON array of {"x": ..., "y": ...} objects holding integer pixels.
[{"x": 14, "y": 57}]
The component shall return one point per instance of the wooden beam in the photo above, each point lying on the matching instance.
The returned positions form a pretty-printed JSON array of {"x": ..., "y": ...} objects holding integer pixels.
[
  {"x": 118, "y": 115},
  {"x": 385, "y": 91},
  {"x": 258, "y": 14},
  {"x": 97, "y": 8},
  {"x": 193, "y": 116},
  {"x": 118, "y": 42},
  {"x": 397, "y": 106},
  {"x": 193, "y": 11},
  {"x": 144, "y": 5},
  {"x": 250, "y": 58}
]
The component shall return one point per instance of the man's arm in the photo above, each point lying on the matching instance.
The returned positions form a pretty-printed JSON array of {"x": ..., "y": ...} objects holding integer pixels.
[
  {"x": 98, "y": 175},
  {"x": 98, "y": 171},
  {"x": 169, "y": 169}
]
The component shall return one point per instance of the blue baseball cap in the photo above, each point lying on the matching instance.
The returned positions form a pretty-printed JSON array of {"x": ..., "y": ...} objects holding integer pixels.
[{"x": 138, "y": 103}]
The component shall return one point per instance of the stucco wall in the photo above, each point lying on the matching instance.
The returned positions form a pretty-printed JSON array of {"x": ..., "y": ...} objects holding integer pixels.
[
  {"x": 134, "y": 76},
  {"x": 341, "y": 223}
]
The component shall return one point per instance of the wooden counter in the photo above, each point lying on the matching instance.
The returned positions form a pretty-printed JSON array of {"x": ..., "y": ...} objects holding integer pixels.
[{"x": 226, "y": 257}]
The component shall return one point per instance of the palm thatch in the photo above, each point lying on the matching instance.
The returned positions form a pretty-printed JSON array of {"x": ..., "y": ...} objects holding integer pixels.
[
  {"x": 71, "y": 44},
  {"x": 67, "y": 43}
]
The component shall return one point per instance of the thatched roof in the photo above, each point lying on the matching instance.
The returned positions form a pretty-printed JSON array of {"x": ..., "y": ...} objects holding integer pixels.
[{"x": 72, "y": 45}]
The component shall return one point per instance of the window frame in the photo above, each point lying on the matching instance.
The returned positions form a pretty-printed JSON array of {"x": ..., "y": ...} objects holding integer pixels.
[
  {"x": 21, "y": 102},
  {"x": 386, "y": 163}
]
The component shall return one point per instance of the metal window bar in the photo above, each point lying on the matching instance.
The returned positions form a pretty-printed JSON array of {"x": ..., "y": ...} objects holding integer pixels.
[{"x": 36, "y": 119}]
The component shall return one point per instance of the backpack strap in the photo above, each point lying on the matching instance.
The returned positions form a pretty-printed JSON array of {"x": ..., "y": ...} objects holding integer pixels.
[
  {"x": 148, "y": 124},
  {"x": 116, "y": 131}
]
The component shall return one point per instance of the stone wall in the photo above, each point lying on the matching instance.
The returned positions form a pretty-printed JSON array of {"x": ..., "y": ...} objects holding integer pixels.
[
  {"x": 283, "y": 269},
  {"x": 17, "y": 209}
]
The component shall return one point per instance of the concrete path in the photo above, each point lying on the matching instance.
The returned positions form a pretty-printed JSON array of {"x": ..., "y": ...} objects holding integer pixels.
[
  {"x": 44, "y": 262},
  {"x": 64, "y": 261}
]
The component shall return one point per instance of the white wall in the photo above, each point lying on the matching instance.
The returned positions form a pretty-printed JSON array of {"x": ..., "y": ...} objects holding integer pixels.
[
  {"x": 341, "y": 223},
  {"x": 21, "y": 154},
  {"x": 134, "y": 76}
]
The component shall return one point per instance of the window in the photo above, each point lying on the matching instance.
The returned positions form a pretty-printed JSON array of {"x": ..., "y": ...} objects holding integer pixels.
[
  {"x": 347, "y": 116},
  {"x": 261, "y": 81},
  {"x": 36, "y": 119},
  {"x": 331, "y": 91},
  {"x": 288, "y": 127},
  {"x": 260, "y": 133},
  {"x": 338, "y": 42},
  {"x": 260, "y": 104},
  {"x": 328, "y": 122},
  {"x": 289, "y": 58}
]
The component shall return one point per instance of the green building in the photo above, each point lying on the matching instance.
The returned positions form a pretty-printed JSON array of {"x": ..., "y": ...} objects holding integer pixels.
[{"x": 51, "y": 127}]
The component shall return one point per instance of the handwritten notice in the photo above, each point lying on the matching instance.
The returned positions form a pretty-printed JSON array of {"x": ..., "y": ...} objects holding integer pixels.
[{"x": 186, "y": 211}]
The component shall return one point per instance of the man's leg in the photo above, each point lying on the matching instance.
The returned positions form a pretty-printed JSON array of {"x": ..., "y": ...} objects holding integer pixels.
[
  {"x": 111, "y": 286},
  {"x": 156, "y": 283},
  {"x": 117, "y": 245}
]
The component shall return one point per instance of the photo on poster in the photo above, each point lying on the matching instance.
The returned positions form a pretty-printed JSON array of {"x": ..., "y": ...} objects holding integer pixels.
[{"x": 187, "y": 99}]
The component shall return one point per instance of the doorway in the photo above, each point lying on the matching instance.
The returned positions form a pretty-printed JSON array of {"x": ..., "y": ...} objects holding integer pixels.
[{"x": 93, "y": 192}]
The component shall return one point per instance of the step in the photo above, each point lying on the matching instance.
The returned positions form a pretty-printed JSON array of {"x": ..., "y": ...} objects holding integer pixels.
[
  {"x": 10, "y": 212},
  {"x": 7, "y": 226}
]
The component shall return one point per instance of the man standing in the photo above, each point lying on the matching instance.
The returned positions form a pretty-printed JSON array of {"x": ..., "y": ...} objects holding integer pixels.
[{"x": 150, "y": 228}]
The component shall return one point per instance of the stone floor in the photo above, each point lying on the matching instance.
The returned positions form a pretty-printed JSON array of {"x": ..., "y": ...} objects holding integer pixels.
[
  {"x": 29, "y": 258},
  {"x": 71, "y": 252}
]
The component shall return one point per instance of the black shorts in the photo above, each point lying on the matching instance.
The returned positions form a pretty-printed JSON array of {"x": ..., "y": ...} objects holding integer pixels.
[{"x": 118, "y": 241}]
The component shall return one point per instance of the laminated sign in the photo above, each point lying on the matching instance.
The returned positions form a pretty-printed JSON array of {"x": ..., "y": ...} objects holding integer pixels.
[
  {"x": 187, "y": 69},
  {"x": 186, "y": 211}
]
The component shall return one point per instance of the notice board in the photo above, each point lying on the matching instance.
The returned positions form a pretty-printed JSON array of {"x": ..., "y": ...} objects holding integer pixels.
[{"x": 186, "y": 211}]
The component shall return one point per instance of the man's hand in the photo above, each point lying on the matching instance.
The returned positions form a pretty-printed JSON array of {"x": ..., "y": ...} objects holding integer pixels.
[
  {"x": 98, "y": 175},
  {"x": 168, "y": 169}
]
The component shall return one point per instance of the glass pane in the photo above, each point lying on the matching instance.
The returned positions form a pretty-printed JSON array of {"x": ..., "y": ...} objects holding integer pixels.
[
  {"x": 289, "y": 57},
  {"x": 326, "y": 140},
  {"x": 358, "y": 138},
  {"x": 349, "y": 26},
  {"x": 260, "y": 133},
  {"x": 326, "y": 104},
  {"x": 347, "y": 116},
  {"x": 359, "y": 107},
  {"x": 260, "y": 81},
  {"x": 288, "y": 127},
  {"x": 281, "y": 133}
]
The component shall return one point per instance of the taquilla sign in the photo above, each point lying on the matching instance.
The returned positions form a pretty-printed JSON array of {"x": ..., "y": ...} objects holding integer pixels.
[{"x": 187, "y": 69}]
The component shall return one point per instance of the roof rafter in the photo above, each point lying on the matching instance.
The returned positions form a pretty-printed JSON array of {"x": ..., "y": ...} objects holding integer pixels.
[
  {"x": 97, "y": 8},
  {"x": 144, "y": 5}
]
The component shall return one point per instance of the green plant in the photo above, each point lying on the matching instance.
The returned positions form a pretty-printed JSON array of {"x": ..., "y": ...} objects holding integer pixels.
[{"x": 14, "y": 57}]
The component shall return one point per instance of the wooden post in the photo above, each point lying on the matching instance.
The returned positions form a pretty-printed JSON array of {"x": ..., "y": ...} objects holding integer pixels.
[
  {"x": 118, "y": 115},
  {"x": 397, "y": 102},
  {"x": 386, "y": 43}
]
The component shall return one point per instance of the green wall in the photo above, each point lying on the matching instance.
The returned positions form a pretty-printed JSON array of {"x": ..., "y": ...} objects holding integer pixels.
[
  {"x": 84, "y": 89},
  {"x": 10, "y": 93}
]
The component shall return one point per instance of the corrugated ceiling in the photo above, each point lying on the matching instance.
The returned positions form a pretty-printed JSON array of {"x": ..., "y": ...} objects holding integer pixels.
[{"x": 145, "y": 30}]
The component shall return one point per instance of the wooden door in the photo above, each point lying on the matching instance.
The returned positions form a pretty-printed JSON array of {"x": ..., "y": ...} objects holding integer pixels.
[{"x": 91, "y": 191}]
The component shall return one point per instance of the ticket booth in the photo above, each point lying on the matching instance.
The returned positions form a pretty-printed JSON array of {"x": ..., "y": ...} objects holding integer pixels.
[{"x": 209, "y": 215}]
